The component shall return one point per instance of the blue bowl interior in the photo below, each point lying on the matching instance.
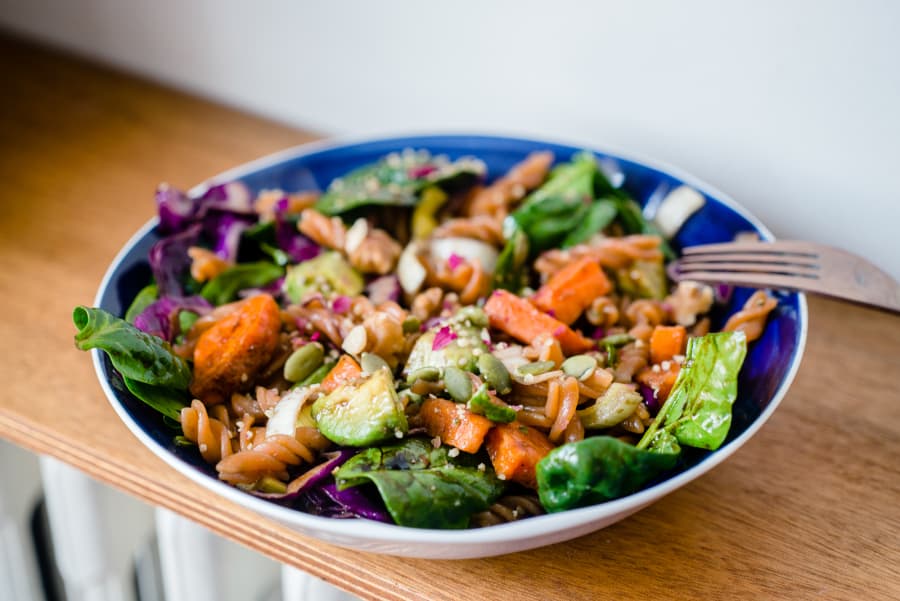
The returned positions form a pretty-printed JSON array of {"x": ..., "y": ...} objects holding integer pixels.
[{"x": 769, "y": 359}]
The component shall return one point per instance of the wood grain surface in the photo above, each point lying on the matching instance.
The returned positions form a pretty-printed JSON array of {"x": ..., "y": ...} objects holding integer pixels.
[{"x": 809, "y": 508}]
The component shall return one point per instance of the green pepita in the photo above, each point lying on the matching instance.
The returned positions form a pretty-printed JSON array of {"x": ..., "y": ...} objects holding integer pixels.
[
  {"x": 616, "y": 340},
  {"x": 536, "y": 368},
  {"x": 429, "y": 374},
  {"x": 303, "y": 361},
  {"x": 411, "y": 325},
  {"x": 579, "y": 366},
  {"x": 494, "y": 372},
  {"x": 457, "y": 384},
  {"x": 370, "y": 363}
]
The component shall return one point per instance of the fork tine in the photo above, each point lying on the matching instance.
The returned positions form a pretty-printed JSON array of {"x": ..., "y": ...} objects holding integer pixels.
[
  {"x": 751, "y": 258},
  {"x": 806, "y": 270},
  {"x": 757, "y": 280},
  {"x": 788, "y": 247}
]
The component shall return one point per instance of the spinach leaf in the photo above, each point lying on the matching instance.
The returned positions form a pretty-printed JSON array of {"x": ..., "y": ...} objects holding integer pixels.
[
  {"x": 224, "y": 287},
  {"x": 168, "y": 401},
  {"x": 595, "y": 470},
  {"x": 556, "y": 208},
  {"x": 698, "y": 410},
  {"x": 135, "y": 354},
  {"x": 510, "y": 273},
  {"x": 397, "y": 180},
  {"x": 423, "y": 487},
  {"x": 144, "y": 299},
  {"x": 598, "y": 216},
  {"x": 633, "y": 222}
]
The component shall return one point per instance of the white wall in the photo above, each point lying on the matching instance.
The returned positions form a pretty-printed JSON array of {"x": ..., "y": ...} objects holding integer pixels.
[{"x": 793, "y": 108}]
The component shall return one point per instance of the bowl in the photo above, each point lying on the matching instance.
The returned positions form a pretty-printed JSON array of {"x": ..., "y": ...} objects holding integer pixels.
[{"x": 771, "y": 363}]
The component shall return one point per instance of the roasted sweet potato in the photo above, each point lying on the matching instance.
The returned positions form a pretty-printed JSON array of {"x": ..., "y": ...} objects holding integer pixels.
[
  {"x": 346, "y": 370},
  {"x": 230, "y": 354},
  {"x": 515, "y": 450},
  {"x": 572, "y": 289},
  {"x": 454, "y": 424},
  {"x": 520, "y": 319}
]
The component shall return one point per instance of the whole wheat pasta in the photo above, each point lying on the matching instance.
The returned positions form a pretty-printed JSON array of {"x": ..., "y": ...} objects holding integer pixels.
[
  {"x": 613, "y": 253},
  {"x": 210, "y": 435},
  {"x": 751, "y": 319},
  {"x": 508, "y": 509},
  {"x": 496, "y": 199},
  {"x": 486, "y": 228},
  {"x": 271, "y": 457}
]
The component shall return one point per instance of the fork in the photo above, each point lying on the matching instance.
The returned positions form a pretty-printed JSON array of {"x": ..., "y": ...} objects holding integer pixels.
[{"x": 792, "y": 265}]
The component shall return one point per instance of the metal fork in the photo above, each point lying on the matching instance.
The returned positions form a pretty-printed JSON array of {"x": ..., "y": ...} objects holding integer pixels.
[{"x": 790, "y": 265}]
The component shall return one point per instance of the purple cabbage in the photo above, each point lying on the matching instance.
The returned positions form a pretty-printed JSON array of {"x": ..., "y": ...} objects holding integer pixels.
[
  {"x": 297, "y": 246},
  {"x": 178, "y": 211},
  {"x": 225, "y": 230},
  {"x": 354, "y": 501},
  {"x": 169, "y": 260},
  {"x": 160, "y": 318},
  {"x": 311, "y": 478}
]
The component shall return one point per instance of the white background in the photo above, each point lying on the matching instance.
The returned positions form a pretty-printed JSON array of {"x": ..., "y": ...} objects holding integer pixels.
[{"x": 792, "y": 108}]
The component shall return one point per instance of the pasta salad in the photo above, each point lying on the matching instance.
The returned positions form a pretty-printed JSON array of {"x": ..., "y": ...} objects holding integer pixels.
[{"x": 423, "y": 346}]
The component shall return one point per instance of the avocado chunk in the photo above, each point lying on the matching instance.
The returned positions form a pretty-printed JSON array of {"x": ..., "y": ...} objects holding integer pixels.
[
  {"x": 456, "y": 343},
  {"x": 329, "y": 273},
  {"x": 361, "y": 414}
]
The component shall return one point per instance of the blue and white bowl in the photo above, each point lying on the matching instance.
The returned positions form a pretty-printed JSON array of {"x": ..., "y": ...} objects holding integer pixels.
[{"x": 771, "y": 363}]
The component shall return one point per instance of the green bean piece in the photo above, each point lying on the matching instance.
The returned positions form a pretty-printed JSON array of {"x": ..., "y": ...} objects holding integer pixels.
[
  {"x": 495, "y": 373},
  {"x": 457, "y": 384},
  {"x": 303, "y": 361}
]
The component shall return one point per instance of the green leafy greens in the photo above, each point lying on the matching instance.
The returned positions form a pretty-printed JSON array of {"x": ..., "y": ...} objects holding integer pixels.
[
  {"x": 595, "y": 470},
  {"x": 423, "y": 487},
  {"x": 698, "y": 410},
  {"x": 151, "y": 371},
  {"x": 224, "y": 287},
  {"x": 396, "y": 180}
]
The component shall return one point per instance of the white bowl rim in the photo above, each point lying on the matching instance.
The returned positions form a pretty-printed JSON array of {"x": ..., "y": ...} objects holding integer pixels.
[{"x": 514, "y": 534}]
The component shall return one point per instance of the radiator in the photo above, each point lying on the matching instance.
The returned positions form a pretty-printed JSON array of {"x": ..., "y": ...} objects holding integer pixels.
[{"x": 67, "y": 537}]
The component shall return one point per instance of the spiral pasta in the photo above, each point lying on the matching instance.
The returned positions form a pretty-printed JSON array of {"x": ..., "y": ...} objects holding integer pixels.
[
  {"x": 271, "y": 457},
  {"x": 752, "y": 317},
  {"x": 495, "y": 200},
  {"x": 508, "y": 509}
]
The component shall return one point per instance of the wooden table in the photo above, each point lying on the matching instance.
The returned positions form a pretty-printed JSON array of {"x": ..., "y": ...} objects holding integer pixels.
[{"x": 810, "y": 508}]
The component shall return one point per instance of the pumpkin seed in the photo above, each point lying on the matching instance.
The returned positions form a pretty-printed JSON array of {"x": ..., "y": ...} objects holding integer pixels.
[
  {"x": 536, "y": 368},
  {"x": 370, "y": 363},
  {"x": 303, "y": 362},
  {"x": 579, "y": 366},
  {"x": 495, "y": 373},
  {"x": 457, "y": 384}
]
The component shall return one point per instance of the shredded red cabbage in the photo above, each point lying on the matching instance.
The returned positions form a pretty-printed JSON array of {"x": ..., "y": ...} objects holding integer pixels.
[
  {"x": 160, "y": 318},
  {"x": 169, "y": 260}
]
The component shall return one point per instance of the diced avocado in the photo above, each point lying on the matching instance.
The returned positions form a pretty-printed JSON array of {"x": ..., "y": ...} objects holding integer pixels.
[
  {"x": 643, "y": 279},
  {"x": 359, "y": 415},
  {"x": 496, "y": 411},
  {"x": 456, "y": 343},
  {"x": 329, "y": 273}
]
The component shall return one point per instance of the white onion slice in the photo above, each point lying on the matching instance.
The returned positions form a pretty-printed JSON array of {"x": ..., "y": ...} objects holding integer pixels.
[
  {"x": 284, "y": 416},
  {"x": 676, "y": 208},
  {"x": 467, "y": 248}
]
